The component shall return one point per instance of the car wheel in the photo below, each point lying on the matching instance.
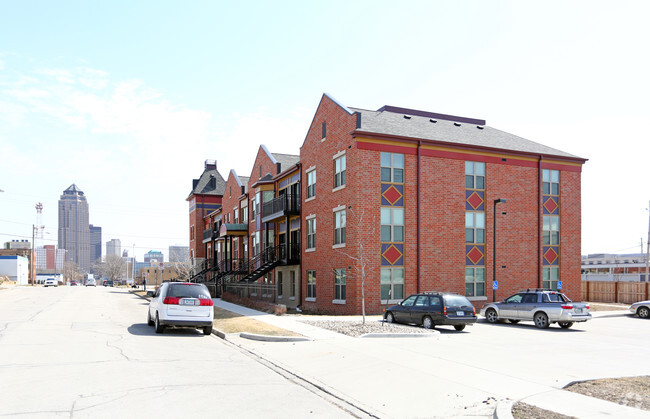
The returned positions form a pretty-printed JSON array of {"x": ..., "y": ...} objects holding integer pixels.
[
  {"x": 513, "y": 321},
  {"x": 565, "y": 325},
  {"x": 459, "y": 327},
  {"x": 427, "y": 323},
  {"x": 491, "y": 315},
  {"x": 149, "y": 321},
  {"x": 157, "y": 326},
  {"x": 390, "y": 318},
  {"x": 643, "y": 312},
  {"x": 207, "y": 330},
  {"x": 541, "y": 320}
]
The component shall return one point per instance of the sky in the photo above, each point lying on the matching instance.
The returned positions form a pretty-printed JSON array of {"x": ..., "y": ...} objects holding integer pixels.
[{"x": 128, "y": 99}]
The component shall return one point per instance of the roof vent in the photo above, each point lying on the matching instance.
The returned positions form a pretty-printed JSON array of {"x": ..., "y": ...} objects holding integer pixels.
[
  {"x": 407, "y": 117},
  {"x": 457, "y": 124},
  {"x": 479, "y": 127},
  {"x": 433, "y": 120}
]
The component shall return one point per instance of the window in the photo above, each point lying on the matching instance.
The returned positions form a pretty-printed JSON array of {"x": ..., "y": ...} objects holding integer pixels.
[
  {"x": 551, "y": 182},
  {"x": 474, "y": 282},
  {"x": 292, "y": 284},
  {"x": 311, "y": 284},
  {"x": 244, "y": 214},
  {"x": 236, "y": 215},
  {"x": 392, "y": 167},
  {"x": 311, "y": 184},
  {"x": 339, "y": 284},
  {"x": 280, "y": 284},
  {"x": 392, "y": 224},
  {"x": 392, "y": 283},
  {"x": 339, "y": 171},
  {"x": 324, "y": 130},
  {"x": 550, "y": 278},
  {"x": 191, "y": 232},
  {"x": 339, "y": 227},
  {"x": 255, "y": 243},
  {"x": 551, "y": 230},
  {"x": 474, "y": 175},
  {"x": 311, "y": 233},
  {"x": 474, "y": 227}
]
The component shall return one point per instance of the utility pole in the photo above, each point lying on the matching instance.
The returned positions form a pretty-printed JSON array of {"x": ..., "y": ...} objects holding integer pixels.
[{"x": 647, "y": 256}]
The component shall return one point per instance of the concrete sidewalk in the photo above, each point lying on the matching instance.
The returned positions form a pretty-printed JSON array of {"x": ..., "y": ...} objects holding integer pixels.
[{"x": 359, "y": 369}]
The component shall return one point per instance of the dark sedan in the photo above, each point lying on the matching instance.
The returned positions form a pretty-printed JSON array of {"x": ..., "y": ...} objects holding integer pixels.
[{"x": 433, "y": 309}]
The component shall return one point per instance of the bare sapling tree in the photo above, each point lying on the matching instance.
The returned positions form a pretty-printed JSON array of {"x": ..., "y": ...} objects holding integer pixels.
[
  {"x": 360, "y": 254},
  {"x": 71, "y": 272},
  {"x": 182, "y": 271},
  {"x": 112, "y": 268}
]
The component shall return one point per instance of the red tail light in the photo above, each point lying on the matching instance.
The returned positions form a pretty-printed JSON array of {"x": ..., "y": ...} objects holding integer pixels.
[
  {"x": 171, "y": 300},
  {"x": 444, "y": 311},
  {"x": 587, "y": 306},
  {"x": 474, "y": 310},
  {"x": 205, "y": 301},
  {"x": 568, "y": 307}
]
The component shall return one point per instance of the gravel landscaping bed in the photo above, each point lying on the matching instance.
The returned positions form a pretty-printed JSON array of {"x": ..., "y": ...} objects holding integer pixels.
[
  {"x": 627, "y": 391},
  {"x": 527, "y": 411},
  {"x": 357, "y": 328}
]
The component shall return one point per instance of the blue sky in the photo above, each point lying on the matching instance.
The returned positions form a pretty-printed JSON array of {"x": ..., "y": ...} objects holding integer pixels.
[{"x": 127, "y": 99}]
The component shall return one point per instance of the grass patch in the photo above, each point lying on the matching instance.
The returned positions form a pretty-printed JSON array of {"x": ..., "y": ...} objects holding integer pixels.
[{"x": 229, "y": 322}]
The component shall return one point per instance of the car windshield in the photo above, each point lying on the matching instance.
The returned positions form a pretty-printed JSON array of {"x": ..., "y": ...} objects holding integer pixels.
[{"x": 188, "y": 291}]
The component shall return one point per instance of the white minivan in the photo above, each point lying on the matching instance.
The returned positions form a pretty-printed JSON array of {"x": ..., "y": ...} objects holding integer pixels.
[{"x": 181, "y": 304}]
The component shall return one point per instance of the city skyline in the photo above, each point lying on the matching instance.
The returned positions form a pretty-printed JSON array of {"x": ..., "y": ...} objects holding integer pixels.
[{"x": 132, "y": 130}]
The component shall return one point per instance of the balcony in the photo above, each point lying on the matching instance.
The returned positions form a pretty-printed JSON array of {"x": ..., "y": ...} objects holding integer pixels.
[
  {"x": 209, "y": 235},
  {"x": 282, "y": 206}
]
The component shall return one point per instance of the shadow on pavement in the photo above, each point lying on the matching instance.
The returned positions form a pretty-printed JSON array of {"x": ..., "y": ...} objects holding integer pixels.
[{"x": 142, "y": 329}]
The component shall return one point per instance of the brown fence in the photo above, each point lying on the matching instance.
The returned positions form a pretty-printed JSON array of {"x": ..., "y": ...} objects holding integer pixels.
[{"x": 615, "y": 292}]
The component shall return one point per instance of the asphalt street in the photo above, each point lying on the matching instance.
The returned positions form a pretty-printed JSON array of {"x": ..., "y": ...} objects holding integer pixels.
[{"x": 87, "y": 352}]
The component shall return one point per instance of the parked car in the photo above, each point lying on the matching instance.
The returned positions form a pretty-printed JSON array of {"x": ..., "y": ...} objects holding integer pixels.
[
  {"x": 51, "y": 282},
  {"x": 181, "y": 304},
  {"x": 90, "y": 283},
  {"x": 642, "y": 308},
  {"x": 73, "y": 283},
  {"x": 108, "y": 283},
  {"x": 431, "y": 309},
  {"x": 544, "y": 307}
]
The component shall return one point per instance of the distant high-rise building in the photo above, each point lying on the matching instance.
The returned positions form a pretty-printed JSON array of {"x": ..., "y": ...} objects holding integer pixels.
[
  {"x": 50, "y": 258},
  {"x": 18, "y": 244},
  {"x": 95, "y": 244},
  {"x": 154, "y": 256},
  {"x": 179, "y": 253},
  {"x": 74, "y": 228},
  {"x": 114, "y": 247}
]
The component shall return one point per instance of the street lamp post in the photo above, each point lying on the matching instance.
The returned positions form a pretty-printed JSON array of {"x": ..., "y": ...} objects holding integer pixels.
[{"x": 494, "y": 248}]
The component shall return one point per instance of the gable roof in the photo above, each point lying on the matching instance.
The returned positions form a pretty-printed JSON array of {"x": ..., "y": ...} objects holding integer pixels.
[
  {"x": 286, "y": 160},
  {"x": 410, "y": 123},
  {"x": 210, "y": 183}
]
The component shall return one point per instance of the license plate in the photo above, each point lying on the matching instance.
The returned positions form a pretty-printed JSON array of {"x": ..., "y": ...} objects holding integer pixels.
[
  {"x": 578, "y": 310},
  {"x": 187, "y": 302},
  {"x": 460, "y": 313}
]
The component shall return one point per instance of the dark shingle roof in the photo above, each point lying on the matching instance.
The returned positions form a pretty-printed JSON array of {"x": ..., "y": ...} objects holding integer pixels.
[
  {"x": 286, "y": 160},
  {"x": 210, "y": 183},
  {"x": 455, "y": 130}
]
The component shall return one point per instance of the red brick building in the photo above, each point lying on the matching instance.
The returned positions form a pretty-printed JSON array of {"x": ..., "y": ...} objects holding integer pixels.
[
  {"x": 205, "y": 197},
  {"x": 404, "y": 201}
]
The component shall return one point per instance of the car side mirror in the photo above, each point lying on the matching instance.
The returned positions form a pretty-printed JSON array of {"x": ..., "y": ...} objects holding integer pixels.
[{"x": 150, "y": 293}]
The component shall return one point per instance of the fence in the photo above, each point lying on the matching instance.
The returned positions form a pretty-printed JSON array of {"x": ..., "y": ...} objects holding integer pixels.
[{"x": 615, "y": 291}]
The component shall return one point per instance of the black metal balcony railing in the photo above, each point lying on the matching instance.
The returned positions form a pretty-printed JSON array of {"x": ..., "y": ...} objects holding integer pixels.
[
  {"x": 285, "y": 204},
  {"x": 208, "y": 235}
]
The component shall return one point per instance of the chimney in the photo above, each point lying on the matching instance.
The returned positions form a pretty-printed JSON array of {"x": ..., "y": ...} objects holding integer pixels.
[
  {"x": 194, "y": 183},
  {"x": 243, "y": 189},
  {"x": 278, "y": 167},
  {"x": 210, "y": 165}
]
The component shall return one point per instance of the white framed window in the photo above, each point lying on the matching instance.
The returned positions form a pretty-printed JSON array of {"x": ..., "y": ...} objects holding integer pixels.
[
  {"x": 474, "y": 282},
  {"x": 392, "y": 224},
  {"x": 236, "y": 218},
  {"x": 311, "y": 233},
  {"x": 292, "y": 285},
  {"x": 339, "y": 227},
  {"x": 311, "y": 284},
  {"x": 392, "y": 167},
  {"x": 244, "y": 214},
  {"x": 392, "y": 284},
  {"x": 280, "y": 285},
  {"x": 339, "y": 171},
  {"x": 311, "y": 184},
  {"x": 339, "y": 284}
]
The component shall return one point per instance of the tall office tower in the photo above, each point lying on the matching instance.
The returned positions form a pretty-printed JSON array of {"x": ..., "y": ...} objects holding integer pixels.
[
  {"x": 95, "y": 244},
  {"x": 114, "y": 247},
  {"x": 74, "y": 228}
]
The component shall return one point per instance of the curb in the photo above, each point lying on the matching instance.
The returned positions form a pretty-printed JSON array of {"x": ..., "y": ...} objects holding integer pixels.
[
  {"x": 266, "y": 338},
  {"x": 435, "y": 333}
]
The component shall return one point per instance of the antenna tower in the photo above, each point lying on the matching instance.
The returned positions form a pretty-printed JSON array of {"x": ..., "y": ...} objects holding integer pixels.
[{"x": 39, "y": 227}]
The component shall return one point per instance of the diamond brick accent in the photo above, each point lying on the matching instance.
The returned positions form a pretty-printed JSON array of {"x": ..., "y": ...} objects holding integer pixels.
[
  {"x": 475, "y": 200},
  {"x": 392, "y": 254},
  {"x": 550, "y": 205},
  {"x": 475, "y": 255},
  {"x": 392, "y": 195},
  {"x": 550, "y": 255}
]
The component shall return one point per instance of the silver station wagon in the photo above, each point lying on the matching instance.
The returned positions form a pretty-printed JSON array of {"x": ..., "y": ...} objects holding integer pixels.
[{"x": 543, "y": 307}]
